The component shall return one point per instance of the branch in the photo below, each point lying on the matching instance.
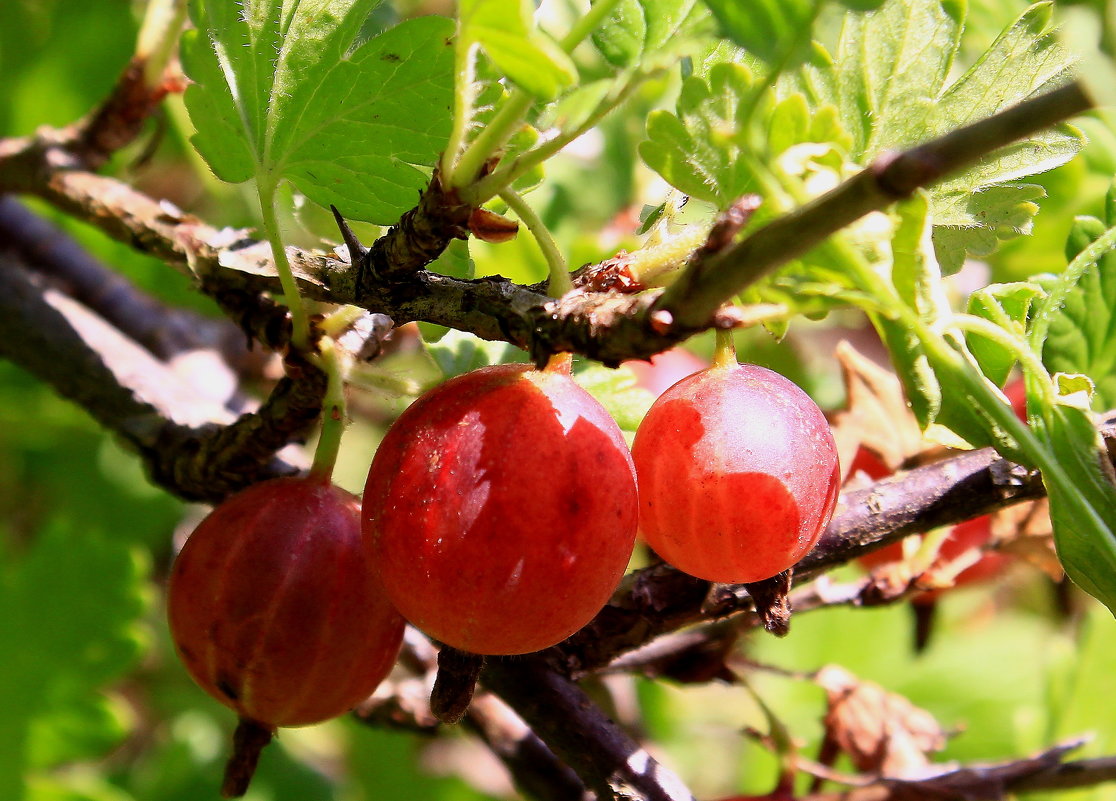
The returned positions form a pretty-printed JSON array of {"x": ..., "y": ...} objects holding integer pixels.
[
  {"x": 164, "y": 330},
  {"x": 191, "y": 444},
  {"x": 894, "y": 176},
  {"x": 579, "y": 733},
  {"x": 604, "y": 326},
  {"x": 660, "y": 599}
]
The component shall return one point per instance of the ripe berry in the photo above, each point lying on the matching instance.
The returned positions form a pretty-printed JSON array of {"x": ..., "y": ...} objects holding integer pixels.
[
  {"x": 738, "y": 474},
  {"x": 501, "y": 509},
  {"x": 275, "y": 609}
]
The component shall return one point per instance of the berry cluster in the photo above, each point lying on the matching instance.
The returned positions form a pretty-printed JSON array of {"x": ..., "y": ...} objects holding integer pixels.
[{"x": 499, "y": 515}]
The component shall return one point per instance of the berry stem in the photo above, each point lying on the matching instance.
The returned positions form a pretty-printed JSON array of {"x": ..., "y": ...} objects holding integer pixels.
[
  {"x": 560, "y": 363},
  {"x": 249, "y": 740},
  {"x": 333, "y": 411},
  {"x": 455, "y": 683},
  {"x": 724, "y": 354},
  {"x": 560, "y": 282},
  {"x": 300, "y": 324}
]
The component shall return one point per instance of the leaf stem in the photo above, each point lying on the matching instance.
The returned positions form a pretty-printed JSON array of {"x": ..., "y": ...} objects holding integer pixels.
[
  {"x": 560, "y": 282},
  {"x": 300, "y": 324},
  {"x": 494, "y": 136},
  {"x": 158, "y": 36},
  {"x": 489, "y": 186},
  {"x": 510, "y": 116},
  {"x": 464, "y": 94},
  {"x": 598, "y": 11},
  {"x": 333, "y": 410},
  {"x": 650, "y": 264}
]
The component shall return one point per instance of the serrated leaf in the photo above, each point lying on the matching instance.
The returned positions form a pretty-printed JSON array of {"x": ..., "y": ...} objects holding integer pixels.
[
  {"x": 506, "y": 31},
  {"x": 775, "y": 31},
  {"x": 699, "y": 150},
  {"x": 617, "y": 391},
  {"x": 891, "y": 65},
  {"x": 894, "y": 64},
  {"x": 1082, "y": 333},
  {"x": 639, "y": 29},
  {"x": 278, "y": 93},
  {"x": 458, "y": 352}
]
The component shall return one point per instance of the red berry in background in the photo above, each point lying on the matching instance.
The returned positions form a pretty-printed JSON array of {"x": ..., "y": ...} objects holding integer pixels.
[
  {"x": 738, "y": 474},
  {"x": 665, "y": 369},
  {"x": 275, "y": 609},
  {"x": 501, "y": 509}
]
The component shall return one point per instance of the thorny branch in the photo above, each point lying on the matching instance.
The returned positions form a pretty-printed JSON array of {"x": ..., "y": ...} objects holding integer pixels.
[{"x": 605, "y": 326}]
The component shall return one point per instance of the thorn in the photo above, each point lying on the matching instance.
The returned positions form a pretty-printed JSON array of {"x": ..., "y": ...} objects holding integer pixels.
[{"x": 356, "y": 250}]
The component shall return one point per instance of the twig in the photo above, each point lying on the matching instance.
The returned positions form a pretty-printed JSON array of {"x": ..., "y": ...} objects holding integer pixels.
[
  {"x": 162, "y": 329},
  {"x": 604, "y": 326},
  {"x": 579, "y": 733},
  {"x": 533, "y": 767},
  {"x": 693, "y": 298},
  {"x": 658, "y": 600},
  {"x": 189, "y": 441}
]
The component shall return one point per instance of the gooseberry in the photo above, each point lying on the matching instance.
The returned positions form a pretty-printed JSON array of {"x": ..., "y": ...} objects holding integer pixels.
[
  {"x": 501, "y": 509},
  {"x": 275, "y": 609},
  {"x": 738, "y": 474}
]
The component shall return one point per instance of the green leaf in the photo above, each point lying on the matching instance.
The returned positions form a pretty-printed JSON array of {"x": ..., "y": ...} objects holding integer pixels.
[
  {"x": 72, "y": 605},
  {"x": 506, "y": 31},
  {"x": 458, "y": 352},
  {"x": 891, "y": 65},
  {"x": 893, "y": 69},
  {"x": 617, "y": 391},
  {"x": 701, "y": 150},
  {"x": 281, "y": 92},
  {"x": 1005, "y": 305},
  {"x": 1083, "y": 505},
  {"x": 1082, "y": 332},
  {"x": 638, "y": 30},
  {"x": 774, "y": 31}
]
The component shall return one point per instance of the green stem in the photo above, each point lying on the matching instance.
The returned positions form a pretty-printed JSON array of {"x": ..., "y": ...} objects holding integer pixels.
[
  {"x": 464, "y": 93},
  {"x": 1067, "y": 280},
  {"x": 1028, "y": 359},
  {"x": 489, "y": 186},
  {"x": 648, "y": 265},
  {"x": 300, "y": 324},
  {"x": 494, "y": 136},
  {"x": 333, "y": 410},
  {"x": 510, "y": 116},
  {"x": 724, "y": 353},
  {"x": 340, "y": 320},
  {"x": 560, "y": 281},
  {"x": 158, "y": 37},
  {"x": 587, "y": 24}
]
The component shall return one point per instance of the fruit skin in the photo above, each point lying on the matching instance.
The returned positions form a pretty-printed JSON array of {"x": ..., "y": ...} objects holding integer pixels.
[
  {"x": 501, "y": 508},
  {"x": 275, "y": 609},
  {"x": 738, "y": 474}
]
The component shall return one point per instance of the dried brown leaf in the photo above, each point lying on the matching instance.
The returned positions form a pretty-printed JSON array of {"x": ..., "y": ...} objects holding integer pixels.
[{"x": 881, "y": 732}]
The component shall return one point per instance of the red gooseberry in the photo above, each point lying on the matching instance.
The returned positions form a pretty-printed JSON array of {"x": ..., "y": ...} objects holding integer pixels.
[
  {"x": 738, "y": 474},
  {"x": 501, "y": 509},
  {"x": 275, "y": 609}
]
